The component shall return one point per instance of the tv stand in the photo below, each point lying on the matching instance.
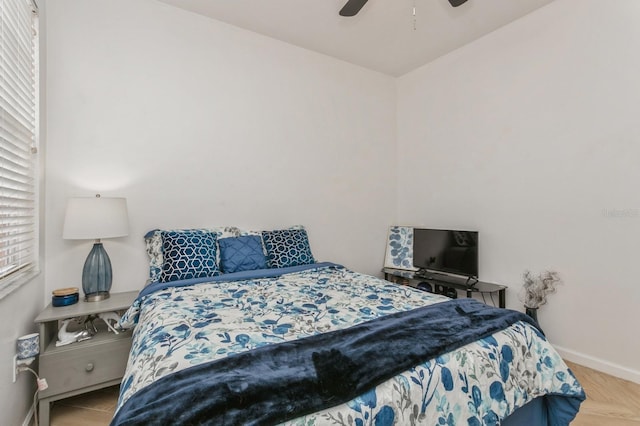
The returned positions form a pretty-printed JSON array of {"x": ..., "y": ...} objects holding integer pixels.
[
  {"x": 425, "y": 275},
  {"x": 440, "y": 282}
]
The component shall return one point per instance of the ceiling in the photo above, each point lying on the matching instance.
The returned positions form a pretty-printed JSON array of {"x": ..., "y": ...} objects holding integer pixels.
[{"x": 382, "y": 37}]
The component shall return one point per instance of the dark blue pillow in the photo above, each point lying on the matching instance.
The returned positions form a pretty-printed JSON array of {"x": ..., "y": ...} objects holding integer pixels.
[
  {"x": 287, "y": 247},
  {"x": 241, "y": 254},
  {"x": 188, "y": 254}
]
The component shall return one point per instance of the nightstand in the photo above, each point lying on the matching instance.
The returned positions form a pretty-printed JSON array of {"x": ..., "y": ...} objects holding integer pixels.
[{"x": 81, "y": 366}]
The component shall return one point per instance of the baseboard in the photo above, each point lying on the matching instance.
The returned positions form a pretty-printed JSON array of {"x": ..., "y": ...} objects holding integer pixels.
[
  {"x": 599, "y": 364},
  {"x": 27, "y": 420}
]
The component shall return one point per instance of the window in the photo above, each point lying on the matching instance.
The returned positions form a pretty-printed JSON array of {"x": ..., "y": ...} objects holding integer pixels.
[{"x": 18, "y": 142}]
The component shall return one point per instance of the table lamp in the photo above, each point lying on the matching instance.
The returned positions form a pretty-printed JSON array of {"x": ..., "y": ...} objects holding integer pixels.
[{"x": 95, "y": 218}]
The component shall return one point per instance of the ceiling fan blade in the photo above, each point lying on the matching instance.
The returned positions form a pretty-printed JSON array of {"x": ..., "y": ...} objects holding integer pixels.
[
  {"x": 456, "y": 3},
  {"x": 352, "y": 7}
]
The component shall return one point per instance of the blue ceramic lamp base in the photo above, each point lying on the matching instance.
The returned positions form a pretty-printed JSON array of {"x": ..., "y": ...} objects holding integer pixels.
[{"x": 96, "y": 274}]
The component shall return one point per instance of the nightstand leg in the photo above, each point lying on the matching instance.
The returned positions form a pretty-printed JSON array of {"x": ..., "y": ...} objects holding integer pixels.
[
  {"x": 501, "y": 298},
  {"x": 43, "y": 412}
]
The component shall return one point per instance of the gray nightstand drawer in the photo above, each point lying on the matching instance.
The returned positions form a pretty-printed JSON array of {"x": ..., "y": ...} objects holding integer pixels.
[{"x": 84, "y": 364}]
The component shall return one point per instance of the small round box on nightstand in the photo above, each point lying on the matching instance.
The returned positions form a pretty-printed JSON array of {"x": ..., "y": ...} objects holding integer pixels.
[{"x": 65, "y": 296}]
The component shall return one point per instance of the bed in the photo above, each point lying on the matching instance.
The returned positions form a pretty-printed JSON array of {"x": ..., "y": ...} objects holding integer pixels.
[{"x": 296, "y": 342}]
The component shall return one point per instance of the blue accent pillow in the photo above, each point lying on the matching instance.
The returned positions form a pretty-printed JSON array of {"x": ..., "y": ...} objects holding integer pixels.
[
  {"x": 287, "y": 247},
  {"x": 241, "y": 254},
  {"x": 188, "y": 254}
]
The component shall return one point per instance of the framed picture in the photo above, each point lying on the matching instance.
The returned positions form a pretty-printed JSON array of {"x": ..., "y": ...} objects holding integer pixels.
[{"x": 399, "y": 254}]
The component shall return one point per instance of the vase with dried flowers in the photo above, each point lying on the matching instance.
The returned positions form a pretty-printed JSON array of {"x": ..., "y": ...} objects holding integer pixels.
[{"x": 536, "y": 288}]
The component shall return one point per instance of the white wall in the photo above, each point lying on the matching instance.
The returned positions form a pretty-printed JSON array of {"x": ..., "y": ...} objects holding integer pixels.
[
  {"x": 17, "y": 311},
  {"x": 531, "y": 135},
  {"x": 199, "y": 123}
]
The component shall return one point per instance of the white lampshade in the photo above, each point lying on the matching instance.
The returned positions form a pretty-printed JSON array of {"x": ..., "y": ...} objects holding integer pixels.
[{"x": 95, "y": 218}]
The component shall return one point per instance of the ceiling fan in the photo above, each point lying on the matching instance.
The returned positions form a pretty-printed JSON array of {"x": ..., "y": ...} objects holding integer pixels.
[{"x": 352, "y": 7}]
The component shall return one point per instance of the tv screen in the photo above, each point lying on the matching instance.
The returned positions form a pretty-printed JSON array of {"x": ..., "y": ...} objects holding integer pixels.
[{"x": 438, "y": 250}]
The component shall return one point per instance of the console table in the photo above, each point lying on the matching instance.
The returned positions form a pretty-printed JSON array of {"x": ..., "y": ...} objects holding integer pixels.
[{"x": 445, "y": 281}]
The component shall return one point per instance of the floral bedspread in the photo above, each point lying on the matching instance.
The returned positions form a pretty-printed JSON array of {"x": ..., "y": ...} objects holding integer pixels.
[{"x": 480, "y": 383}]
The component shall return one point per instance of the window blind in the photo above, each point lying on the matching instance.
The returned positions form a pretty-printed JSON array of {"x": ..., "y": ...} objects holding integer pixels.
[{"x": 18, "y": 139}]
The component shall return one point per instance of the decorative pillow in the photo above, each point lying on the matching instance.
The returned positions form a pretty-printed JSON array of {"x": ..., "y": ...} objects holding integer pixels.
[
  {"x": 242, "y": 253},
  {"x": 243, "y": 232},
  {"x": 188, "y": 254},
  {"x": 287, "y": 247},
  {"x": 153, "y": 240}
]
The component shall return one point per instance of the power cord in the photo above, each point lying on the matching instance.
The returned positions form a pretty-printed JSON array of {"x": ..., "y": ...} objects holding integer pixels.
[{"x": 42, "y": 385}]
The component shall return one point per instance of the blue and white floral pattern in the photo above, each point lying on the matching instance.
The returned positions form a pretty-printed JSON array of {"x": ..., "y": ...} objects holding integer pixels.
[
  {"x": 478, "y": 384},
  {"x": 399, "y": 253}
]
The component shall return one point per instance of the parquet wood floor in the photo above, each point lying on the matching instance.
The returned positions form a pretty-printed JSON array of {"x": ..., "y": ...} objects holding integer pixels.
[{"x": 610, "y": 402}]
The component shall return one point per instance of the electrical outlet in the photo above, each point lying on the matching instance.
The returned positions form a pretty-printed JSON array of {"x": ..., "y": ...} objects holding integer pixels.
[{"x": 17, "y": 363}]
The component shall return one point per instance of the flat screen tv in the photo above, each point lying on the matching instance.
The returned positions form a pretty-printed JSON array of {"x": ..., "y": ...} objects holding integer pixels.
[{"x": 449, "y": 251}]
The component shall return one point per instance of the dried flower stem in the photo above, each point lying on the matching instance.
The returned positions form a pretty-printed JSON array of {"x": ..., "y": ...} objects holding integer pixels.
[{"x": 536, "y": 288}]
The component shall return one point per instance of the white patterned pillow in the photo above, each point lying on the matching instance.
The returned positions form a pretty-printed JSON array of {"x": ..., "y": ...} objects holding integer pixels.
[
  {"x": 251, "y": 232},
  {"x": 153, "y": 240}
]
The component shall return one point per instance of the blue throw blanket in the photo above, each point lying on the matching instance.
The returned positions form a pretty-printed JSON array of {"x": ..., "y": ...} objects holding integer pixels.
[{"x": 283, "y": 381}]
